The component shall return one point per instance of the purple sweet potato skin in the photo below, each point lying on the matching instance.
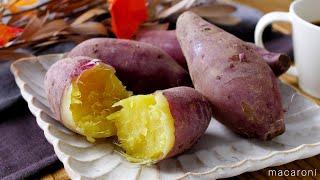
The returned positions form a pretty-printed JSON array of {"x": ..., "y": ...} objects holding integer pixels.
[
  {"x": 59, "y": 76},
  {"x": 165, "y": 40},
  {"x": 141, "y": 67},
  {"x": 191, "y": 112},
  {"x": 241, "y": 87},
  {"x": 279, "y": 63}
]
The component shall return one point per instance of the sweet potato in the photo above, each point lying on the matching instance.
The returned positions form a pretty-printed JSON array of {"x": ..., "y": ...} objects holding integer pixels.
[
  {"x": 81, "y": 92},
  {"x": 161, "y": 125},
  {"x": 141, "y": 67},
  {"x": 279, "y": 63},
  {"x": 165, "y": 40},
  {"x": 241, "y": 87},
  {"x": 87, "y": 97}
]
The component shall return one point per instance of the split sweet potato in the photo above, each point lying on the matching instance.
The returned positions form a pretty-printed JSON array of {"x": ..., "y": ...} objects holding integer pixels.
[
  {"x": 81, "y": 92},
  {"x": 141, "y": 67},
  {"x": 161, "y": 125},
  {"x": 89, "y": 99},
  {"x": 241, "y": 87}
]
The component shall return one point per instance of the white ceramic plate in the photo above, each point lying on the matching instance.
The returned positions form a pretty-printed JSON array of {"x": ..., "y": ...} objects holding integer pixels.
[{"x": 218, "y": 154}]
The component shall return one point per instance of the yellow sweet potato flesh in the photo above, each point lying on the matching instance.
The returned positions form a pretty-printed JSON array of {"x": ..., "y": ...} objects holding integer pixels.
[
  {"x": 94, "y": 92},
  {"x": 145, "y": 127}
]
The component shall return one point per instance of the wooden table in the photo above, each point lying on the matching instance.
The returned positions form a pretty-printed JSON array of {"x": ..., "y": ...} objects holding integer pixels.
[{"x": 305, "y": 164}]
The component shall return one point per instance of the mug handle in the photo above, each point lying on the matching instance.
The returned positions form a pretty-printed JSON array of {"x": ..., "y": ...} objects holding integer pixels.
[{"x": 264, "y": 22}]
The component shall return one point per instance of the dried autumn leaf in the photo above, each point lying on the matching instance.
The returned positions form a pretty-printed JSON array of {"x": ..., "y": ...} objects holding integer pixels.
[
  {"x": 16, "y": 5},
  {"x": 49, "y": 35},
  {"x": 174, "y": 2},
  {"x": 107, "y": 23},
  {"x": 22, "y": 3},
  {"x": 32, "y": 27},
  {"x": 7, "y": 33},
  {"x": 67, "y": 6},
  {"x": 33, "y": 43},
  {"x": 47, "y": 43},
  {"x": 50, "y": 29},
  {"x": 127, "y": 16},
  {"x": 34, "y": 17},
  {"x": 89, "y": 28},
  {"x": 180, "y": 6},
  {"x": 13, "y": 55},
  {"x": 152, "y": 8},
  {"x": 21, "y": 19},
  {"x": 215, "y": 10},
  {"x": 88, "y": 15}
]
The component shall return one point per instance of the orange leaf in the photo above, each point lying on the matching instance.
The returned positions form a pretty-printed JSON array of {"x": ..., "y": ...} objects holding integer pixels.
[
  {"x": 16, "y": 5},
  {"x": 26, "y": 2},
  {"x": 7, "y": 33},
  {"x": 127, "y": 15}
]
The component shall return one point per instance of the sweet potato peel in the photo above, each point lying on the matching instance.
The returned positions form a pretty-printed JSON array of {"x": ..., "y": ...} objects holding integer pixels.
[{"x": 241, "y": 87}]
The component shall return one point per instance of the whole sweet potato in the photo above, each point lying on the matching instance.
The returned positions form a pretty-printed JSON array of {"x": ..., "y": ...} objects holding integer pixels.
[
  {"x": 81, "y": 92},
  {"x": 161, "y": 125},
  {"x": 141, "y": 67},
  {"x": 279, "y": 63},
  {"x": 165, "y": 40},
  {"x": 241, "y": 87}
]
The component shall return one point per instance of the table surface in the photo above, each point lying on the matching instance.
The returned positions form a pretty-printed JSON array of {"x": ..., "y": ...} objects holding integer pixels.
[{"x": 305, "y": 164}]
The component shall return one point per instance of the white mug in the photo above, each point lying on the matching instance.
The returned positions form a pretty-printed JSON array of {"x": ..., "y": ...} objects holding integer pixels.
[{"x": 306, "y": 41}]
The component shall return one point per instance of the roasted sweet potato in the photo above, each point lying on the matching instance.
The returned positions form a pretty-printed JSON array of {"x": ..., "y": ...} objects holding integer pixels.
[
  {"x": 81, "y": 92},
  {"x": 160, "y": 125},
  {"x": 88, "y": 98},
  {"x": 165, "y": 40},
  {"x": 141, "y": 67},
  {"x": 241, "y": 87},
  {"x": 279, "y": 63}
]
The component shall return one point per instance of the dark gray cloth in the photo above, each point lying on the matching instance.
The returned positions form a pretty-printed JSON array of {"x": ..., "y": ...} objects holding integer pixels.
[
  {"x": 24, "y": 150},
  {"x": 9, "y": 93}
]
